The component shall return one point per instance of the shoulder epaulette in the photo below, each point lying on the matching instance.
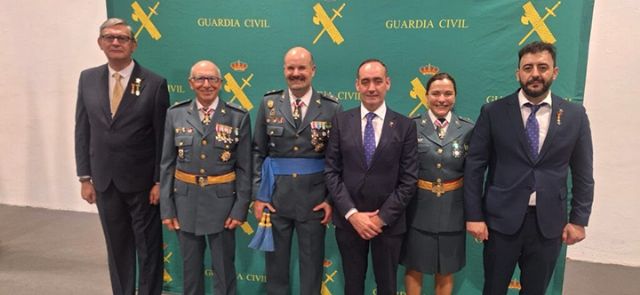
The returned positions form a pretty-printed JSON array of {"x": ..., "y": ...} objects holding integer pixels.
[
  {"x": 329, "y": 97},
  {"x": 465, "y": 119},
  {"x": 180, "y": 103},
  {"x": 235, "y": 107},
  {"x": 272, "y": 92}
]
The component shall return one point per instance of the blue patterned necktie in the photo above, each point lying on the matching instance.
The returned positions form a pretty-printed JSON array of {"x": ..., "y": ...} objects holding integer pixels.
[
  {"x": 533, "y": 129},
  {"x": 369, "y": 139}
]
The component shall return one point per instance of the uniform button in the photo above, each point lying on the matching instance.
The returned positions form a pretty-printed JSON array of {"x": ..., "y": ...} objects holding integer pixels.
[
  {"x": 440, "y": 150},
  {"x": 181, "y": 143},
  {"x": 202, "y": 171},
  {"x": 271, "y": 132},
  {"x": 294, "y": 175},
  {"x": 295, "y": 148},
  {"x": 439, "y": 180},
  {"x": 203, "y": 156},
  {"x": 226, "y": 146},
  {"x": 204, "y": 142},
  {"x": 175, "y": 189},
  {"x": 439, "y": 165}
]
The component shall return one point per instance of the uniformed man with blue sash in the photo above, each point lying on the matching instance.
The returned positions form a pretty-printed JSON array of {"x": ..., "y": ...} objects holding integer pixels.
[{"x": 292, "y": 130}]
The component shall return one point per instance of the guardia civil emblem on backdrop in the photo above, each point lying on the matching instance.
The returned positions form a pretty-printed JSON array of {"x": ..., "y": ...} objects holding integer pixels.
[{"x": 476, "y": 41}]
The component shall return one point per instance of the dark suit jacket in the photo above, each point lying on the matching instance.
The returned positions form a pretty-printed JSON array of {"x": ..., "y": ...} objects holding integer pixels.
[
  {"x": 499, "y": 144},
  {"x": 124, "y": 150},
  {"x": 390, "y": 182}
]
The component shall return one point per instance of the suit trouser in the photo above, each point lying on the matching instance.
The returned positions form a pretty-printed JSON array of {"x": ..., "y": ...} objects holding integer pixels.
[
  {"x": 535, "y": 255},
  {"x": 310, "y": 234},
  {"x": 385, "y": 254},
  {"x": 222, "y": 247},
  {"x": 132, "y": 226}
]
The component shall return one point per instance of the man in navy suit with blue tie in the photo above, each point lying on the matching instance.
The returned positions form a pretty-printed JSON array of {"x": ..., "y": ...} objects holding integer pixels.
[
  {"x": 528, "y": 141},
  {"x": 371, "y": 171}
]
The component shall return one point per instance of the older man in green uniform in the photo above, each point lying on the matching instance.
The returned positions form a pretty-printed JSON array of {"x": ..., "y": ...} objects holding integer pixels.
[
  {"x": 292, "y": 130},
  {"x": 206, "y": 179}
]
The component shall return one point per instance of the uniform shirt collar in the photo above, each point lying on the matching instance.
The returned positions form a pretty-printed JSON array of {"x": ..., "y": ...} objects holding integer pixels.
[
  {"x": 434, "y": 118},
  {"x": 214, "y": 105},
  {"x": 306, "y": 98}
]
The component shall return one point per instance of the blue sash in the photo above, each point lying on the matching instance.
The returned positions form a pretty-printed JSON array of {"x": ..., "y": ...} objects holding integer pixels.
[{"x": 284, "y": 166}]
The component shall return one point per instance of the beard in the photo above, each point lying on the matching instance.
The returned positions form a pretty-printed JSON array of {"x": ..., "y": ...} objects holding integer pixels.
[{"x": 536, "y": 93}]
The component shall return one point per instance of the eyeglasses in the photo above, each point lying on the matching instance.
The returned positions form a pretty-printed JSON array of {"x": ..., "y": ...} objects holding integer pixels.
[
  {"x": 121, "y": 39},
  {"x": 201, "y": 80}
]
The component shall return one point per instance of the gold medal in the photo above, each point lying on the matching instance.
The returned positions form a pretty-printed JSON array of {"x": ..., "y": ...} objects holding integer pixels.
[
  {"x": 225, "y": 156},
  {"x": 181, "y": 153}
]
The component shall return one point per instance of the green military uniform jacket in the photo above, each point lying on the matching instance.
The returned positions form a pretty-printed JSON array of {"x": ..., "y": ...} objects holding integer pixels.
[
  {"x": 276, "y": 136},
  {"x": 221, "y": 147},
  {"x": 440, "y": 159}
]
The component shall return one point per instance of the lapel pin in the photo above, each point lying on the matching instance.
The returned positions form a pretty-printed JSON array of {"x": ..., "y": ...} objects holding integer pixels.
[
  {"x": 135, "y": 87},
  {"x": 559, "y": 117},
  {"x": 391, "y": 124}
]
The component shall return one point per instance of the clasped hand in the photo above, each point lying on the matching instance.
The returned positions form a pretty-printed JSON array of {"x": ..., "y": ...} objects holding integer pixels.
[{"x": 367, "y": 224}]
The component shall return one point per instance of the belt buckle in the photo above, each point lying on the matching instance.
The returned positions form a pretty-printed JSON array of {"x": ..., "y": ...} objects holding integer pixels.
[
  {"x": 201, "y": 180},
  {"x": 438, "y": 189}
]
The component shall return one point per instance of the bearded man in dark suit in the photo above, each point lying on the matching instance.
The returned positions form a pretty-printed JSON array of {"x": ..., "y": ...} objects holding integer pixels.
[{"x": 526, "y": 142}]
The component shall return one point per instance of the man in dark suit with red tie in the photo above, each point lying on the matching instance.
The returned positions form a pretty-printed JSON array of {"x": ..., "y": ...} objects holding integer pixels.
[
  {"x": 120, "y": 116},
  {"x": 527, "y": 142},
  {"x": 371, "y": 173}
]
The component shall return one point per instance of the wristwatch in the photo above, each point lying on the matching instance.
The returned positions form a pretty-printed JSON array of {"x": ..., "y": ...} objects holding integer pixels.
[{"x": 84, "y": 178}]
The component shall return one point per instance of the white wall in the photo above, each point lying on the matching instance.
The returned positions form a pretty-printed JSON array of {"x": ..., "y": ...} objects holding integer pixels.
[
  {"x": 45, "y": 45},
  {"x": 612, "y": 99}
]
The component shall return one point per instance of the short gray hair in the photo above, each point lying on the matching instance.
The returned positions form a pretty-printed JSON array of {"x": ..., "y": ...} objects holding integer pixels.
[{"x": 115, "y": 22}]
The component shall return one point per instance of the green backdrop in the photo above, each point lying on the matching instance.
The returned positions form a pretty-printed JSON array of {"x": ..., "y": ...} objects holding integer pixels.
[{"x": 474, "y": 40}]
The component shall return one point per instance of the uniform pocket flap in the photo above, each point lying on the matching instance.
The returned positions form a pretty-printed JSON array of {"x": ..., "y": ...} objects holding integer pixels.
[
  {"x": 183, "y": 141},
  {"x": 275, "y": 130}
]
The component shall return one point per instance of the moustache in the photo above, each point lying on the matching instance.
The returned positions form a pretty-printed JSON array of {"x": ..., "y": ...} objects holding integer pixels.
[{"x": 533, "y": 80}]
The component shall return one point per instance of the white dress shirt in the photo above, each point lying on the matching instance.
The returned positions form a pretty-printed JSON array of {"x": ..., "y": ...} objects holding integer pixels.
[
  {"x": 213, "y": 106},
  {"x": 434, "y": 118},
  {"x": 126, "y": 76},
  {"x": 306, "y": 99},
  {"x": 543, "y": 116},
  {"x": 377, "y": 123}
]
